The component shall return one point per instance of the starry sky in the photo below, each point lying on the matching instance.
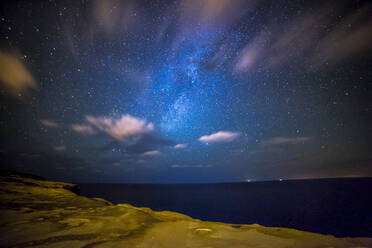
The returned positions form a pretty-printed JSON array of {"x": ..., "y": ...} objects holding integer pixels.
[{"x": 186, "y": 91}]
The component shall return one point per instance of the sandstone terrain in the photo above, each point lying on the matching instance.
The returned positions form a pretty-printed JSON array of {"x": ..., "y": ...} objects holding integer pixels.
[{"x": 39, "y": 213}]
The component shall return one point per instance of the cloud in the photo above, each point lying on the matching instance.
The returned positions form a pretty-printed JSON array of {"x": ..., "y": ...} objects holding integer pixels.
[
  {"x": 271, "y": 149},
  {"x": 111, "y": 16},
  {"x": 121, "y": 128},
  {"x": 147, "y": 142},
  {"x": 249, "y": 55},
  {"x": 180, "y": 146},
  {"x": 278, "y": 44},
  {"x": 14, "y": 76},
  {"x": 59, "y": 148},
  {"x": 192, "y": 166},
  {"x": 222, "y": 13},
  {"x": 83, "y": 129},
  {"x": 206, "y": 19},
  {"x": 221, "y": 136},
  {"x": 303, "y": 39},
  {"x": 49, "y": 123},
  {"x": 151, "y": 153},
  {"x": 284, "y": 140},
  {"x": 350, "y": 37}
]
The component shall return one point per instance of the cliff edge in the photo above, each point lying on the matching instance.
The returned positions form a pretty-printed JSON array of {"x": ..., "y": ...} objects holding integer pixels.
[{"x": 39, "y": 213}]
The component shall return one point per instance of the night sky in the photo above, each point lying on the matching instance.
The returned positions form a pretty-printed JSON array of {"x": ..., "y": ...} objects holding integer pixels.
[{"x": 186, "y": 91}]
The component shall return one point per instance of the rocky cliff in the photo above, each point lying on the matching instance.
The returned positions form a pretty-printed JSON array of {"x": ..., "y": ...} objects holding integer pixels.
[{"x": 39, "y": 213}]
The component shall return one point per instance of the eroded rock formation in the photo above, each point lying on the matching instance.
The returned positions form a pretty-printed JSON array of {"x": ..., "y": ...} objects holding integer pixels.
[{"x": 38, "y": 213}]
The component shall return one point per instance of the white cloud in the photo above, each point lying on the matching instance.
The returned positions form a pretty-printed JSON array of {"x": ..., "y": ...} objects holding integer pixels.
[
  {"x": 83, "y": 129},
  {"x": 284, "y": 140},
  {"x": 121, "y": 128},
  {"x": 180, "y": 146},
  {"x": 221, "y": 136},
  {"x": 59, "y": 148},
  {"x": 151, "y": 153},
  {"x": 49, "y": 123}
]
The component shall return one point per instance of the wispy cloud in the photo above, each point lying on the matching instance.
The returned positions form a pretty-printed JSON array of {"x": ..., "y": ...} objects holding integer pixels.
[
  {"x": 212, "y": 12},
  {"x": 14, "y": 76},
  {"x": 59, "y": 148},
  {"x": 313, "y": 36},
  {"x": 121, "y": 128},
  {"x": 278, "y": 44},
  {"x": 152, "y": 153},
  {"x": 271, "y": 149},
  {"x": 350, "y": 37},
  {"x": 83, "y": 129},
  {"x": 180, "y": 146},
  {"x": 285, "y": 140},
  {"x": 250, "y": 54},
  {"x": 192, "y": 166},
  {"x": 221, "y": 136},
  {"x": 49, "y": 123},
  {"x": 202, "y": 18},
  {"x": 112, "y": 16}
]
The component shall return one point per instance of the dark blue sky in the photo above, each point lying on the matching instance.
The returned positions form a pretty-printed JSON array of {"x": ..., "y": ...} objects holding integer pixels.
[{"x": 186, "y": 91}]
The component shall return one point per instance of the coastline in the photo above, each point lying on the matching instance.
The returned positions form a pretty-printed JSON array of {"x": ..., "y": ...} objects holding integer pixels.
[{"x": 38, "y": 213}]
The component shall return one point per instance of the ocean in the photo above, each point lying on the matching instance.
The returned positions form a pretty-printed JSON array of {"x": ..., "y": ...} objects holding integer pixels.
[{"x": 340, "y": 207}]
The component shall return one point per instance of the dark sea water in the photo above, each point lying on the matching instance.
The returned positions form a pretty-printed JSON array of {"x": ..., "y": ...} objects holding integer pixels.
[{"x": 340, "y": 207}]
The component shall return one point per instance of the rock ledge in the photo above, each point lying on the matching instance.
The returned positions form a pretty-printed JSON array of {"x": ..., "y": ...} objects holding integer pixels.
[{"x": 39, "y": 213}]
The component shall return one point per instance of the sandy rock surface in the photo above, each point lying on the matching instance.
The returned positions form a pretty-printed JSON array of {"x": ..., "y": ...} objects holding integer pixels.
[{"x": 37, "y": 213}]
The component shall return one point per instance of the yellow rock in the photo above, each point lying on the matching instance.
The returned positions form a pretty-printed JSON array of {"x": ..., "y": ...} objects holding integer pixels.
[{"x": 37, "y": 213}]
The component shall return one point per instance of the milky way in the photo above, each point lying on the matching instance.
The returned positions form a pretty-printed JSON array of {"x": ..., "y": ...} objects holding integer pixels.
[{"x": 186, "y": 91}]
